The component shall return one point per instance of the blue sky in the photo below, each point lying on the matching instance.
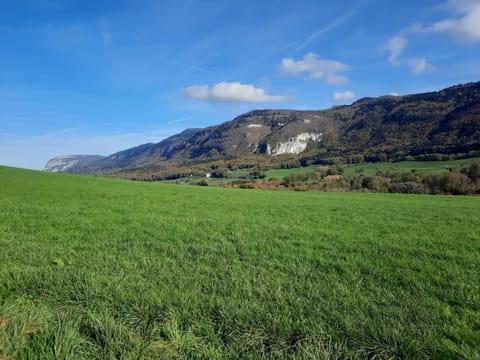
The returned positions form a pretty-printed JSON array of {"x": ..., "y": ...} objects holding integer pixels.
[{"x": 96, "y": 77}]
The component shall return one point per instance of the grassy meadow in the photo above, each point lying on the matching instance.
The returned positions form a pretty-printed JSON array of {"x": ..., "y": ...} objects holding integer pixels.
[
  {"x": 420, "y": 167},
  {"x": 95, "y": 268}
]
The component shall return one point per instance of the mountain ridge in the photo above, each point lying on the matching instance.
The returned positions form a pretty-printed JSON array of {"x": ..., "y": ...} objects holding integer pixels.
[{"x": 444, "y": 122}]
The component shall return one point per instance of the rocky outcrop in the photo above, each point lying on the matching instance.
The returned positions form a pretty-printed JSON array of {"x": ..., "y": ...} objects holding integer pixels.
[
  {"x": 71, "y": 163},
  {"x": 294, "y": 145}
]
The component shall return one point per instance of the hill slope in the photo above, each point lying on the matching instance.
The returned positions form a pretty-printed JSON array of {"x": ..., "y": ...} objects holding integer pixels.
[{"x": 447, "y": 121}]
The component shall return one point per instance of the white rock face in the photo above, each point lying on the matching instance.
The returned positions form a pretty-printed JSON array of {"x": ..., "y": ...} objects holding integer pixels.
[
  {"x": 254, "y": 126},
  {"x": 67, "y": 162},
  {"x": 294, "y": 145},
  {"x": 61, "y": 163}
]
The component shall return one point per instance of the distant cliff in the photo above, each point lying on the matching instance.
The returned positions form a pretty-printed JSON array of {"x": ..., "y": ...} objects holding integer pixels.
[{"x": 70, "y": 163}]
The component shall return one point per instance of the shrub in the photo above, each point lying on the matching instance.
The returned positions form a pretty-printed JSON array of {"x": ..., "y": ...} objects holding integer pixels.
[
  {"x": 256, "y": 174},
  {"x": 219, "y": 174},
  {"x": 405, "y": 177},
  {"x": 473, "y": 171},
  {"x": 299, "y": 179},
  {"x": 408, "y": 187},
  {"x": 304, "y": 162},
  {"x": 332, "y": 171},
  {"x": 452, "y": 182},
  {"x": 375, "y": 183},
  {"x": 289, "y": 165}
]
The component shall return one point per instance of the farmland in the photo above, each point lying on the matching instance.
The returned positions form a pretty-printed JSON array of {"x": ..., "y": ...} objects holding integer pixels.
[
  {"x": 420, "y": 167},
  {"x": 456, "y": 176},
  {"x": 96, "y": 268}
]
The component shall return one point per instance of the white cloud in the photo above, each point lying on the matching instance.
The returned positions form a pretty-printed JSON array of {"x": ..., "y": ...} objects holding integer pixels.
[
  {"x": 344, "y": 96},
  {"x": 462, "y": 25},
  {"x": 417, "y": 65},
  {"x": 232, "y": 92},
  {"x": 396, "y": 45},
  {"x": 318, "y": 68},
  {"x": 199, "y": 92},
  {"x": 466, "y": 26}
]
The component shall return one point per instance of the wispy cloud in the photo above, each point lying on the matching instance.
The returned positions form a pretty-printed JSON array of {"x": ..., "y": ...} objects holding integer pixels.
[
  {"x": 317, "y": 68},
  {"x": 396, "y": 46},
  {"x": 418, "y": 65},
  {"x": 201, "y": 69},
  {"x": 232, "y": 92},
  {"x": 465, "y": 26},
  {"x": 330, "y": 26},
  {"x": 344, "y": 96}
]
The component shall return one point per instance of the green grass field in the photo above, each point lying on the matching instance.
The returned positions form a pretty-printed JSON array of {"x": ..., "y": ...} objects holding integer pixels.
[
  {"x": 95, "y": 268},
  {"x": 276, "y": 173},
  {"x": 281, "y": 173},
  {"x": 420, "y": 167}
]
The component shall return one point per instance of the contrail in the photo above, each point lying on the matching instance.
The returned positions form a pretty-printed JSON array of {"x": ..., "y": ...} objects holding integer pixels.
[{"x": 335, "y": 23}]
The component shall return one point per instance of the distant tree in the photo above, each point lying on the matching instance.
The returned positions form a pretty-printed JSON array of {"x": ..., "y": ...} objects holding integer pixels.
[
  {"x": 405, "y": 177},
  {"x": 473, "y": 171},
  {"x": 408, "y": 187},
  {"x": 219, "y": 174},
  {"x": 256, "y": 174},
  {"x": 300, "y": 179},
  {"x": 375, "y": 183},
  {"x": 452, "y": 182}
]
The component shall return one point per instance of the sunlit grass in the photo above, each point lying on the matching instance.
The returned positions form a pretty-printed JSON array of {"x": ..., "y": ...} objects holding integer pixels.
[{"x": 97, "y": 268}]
